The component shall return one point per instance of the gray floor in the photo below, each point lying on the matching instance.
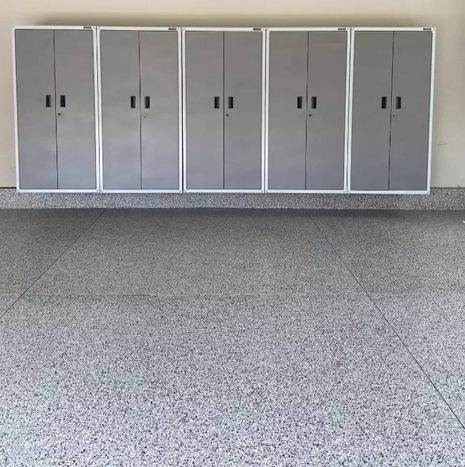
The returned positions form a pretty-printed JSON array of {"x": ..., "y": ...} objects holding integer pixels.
[{"x": 203, "y": 337}]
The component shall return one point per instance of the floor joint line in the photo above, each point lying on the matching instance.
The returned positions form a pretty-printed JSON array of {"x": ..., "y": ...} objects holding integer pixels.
[
  {"x": 386, "y": 319},
  {"x": 66, "y": 249}
]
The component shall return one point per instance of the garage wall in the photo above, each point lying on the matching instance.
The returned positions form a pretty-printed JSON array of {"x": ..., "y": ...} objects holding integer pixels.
[{"x": 447, "y": 15}]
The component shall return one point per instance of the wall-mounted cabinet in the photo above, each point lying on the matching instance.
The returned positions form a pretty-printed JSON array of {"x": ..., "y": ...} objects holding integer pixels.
[
  {"x": 390, "y": 147},
  {"x": 308, "y": 84},
  {"x": 223, "y": 109},
  {"x": 140, "y": 102},
  {"x": 55, "y": 86},
  {"x": 309, "y": 110}
]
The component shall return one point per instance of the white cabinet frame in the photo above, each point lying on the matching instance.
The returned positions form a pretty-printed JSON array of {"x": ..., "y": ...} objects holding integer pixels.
[
  {"x": 347, "y": 103},
  {"x": 433, "y": 62},
  {"x": 264, "y": 65},
  {"x": 96, "y": 111},
  {"x": 180, "y": 105}
]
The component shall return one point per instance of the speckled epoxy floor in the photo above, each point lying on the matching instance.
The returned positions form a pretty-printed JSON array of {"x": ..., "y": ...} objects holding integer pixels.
[{"x": 203, "y": 337}]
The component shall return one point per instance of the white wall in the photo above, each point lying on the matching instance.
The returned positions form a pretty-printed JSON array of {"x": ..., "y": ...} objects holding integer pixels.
[{"x": 447, "y": 15}]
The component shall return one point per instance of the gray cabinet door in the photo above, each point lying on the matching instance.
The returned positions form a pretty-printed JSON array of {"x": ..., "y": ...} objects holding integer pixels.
[
  {"x": 287, "y": 110},
  {"x": 243, "y": 110},
  {"x": 327, "y": 63},
  {"x": 74, "y": 68},
  {"x": 35, "y": 87},
  {"x": 410, "y": 110},
  {"x": 371, "y": 110},
  {"x": 159, "y": 110},
  {"x": 204, "y": 109},
  {"x": 120, "y": 77}
]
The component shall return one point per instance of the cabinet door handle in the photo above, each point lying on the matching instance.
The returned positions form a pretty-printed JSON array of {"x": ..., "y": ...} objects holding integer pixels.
[
  {"x": 48, "y": 100},
  {"x": 216, "y": 102},
  {"x": 314, "y": 102},
  {"x": 63, "y": 101},
  {"x": 384, "y": 102},
  {"x": 230, "y": 102},
  {"x": 147, "y": 102},
  {"x": 398, "y": 102},
  {"x": 133, "y": 102},
  {"x": 299, "y": 102}
]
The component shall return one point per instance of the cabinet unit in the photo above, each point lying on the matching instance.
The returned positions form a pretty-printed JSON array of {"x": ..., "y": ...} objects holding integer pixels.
[
  {"x": 140, "y": 103},
  {"x": 307, "y": 108},
  {"x": 55, "y": 88},
  {"x": 223, "y": 112},
  {"x": 391, "y": 110}
]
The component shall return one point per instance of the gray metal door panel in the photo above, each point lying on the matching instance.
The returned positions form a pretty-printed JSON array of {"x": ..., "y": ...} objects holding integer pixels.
[
  {"x": 204, "y": 122},
  {"x": 160, "y": 110},
  {"x": 119, "y": 55},
  {"x": 370, "y": 122},
  {"x": 35, "y": 81},
  {"x": 74, "y": 68},
  {"x": 243, "y": 122},
  {"x": 287, "y": 110},
  {"x": 410, "y": 122},
  {"x": 327, "y": 65}
]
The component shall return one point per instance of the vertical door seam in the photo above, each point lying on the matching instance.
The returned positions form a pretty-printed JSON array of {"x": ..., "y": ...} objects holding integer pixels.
[
  {"x": 390, "y": 110},
  {"x": 100, "y": 118},
  {"x": 307, "y": 120},
  {"x": 140, "y": 109},
  {"x": 224, "y": 107}
]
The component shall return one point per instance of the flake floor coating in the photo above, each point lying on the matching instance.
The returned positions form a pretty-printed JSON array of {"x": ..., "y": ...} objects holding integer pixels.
[{"x": 217, "y": 337}]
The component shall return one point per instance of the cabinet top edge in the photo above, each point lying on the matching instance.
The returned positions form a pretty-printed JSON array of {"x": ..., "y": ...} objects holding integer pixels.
[
  {"x": 200, "y": 28},
  {"x": 136, "y": 28},
  {"x": 392, "y": 28},
  {"x": 251, "y": 28},
  {"x": 309, "y": 28},
  {"x": 79, "y": 28}
]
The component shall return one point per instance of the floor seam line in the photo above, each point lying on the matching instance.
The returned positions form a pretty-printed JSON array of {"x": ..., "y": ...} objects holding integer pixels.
[
  {"x": 66, "y": 249},
  {"x": 386, "y": 320}
]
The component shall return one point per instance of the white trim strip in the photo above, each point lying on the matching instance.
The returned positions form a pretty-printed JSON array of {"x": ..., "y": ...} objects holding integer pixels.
[
  {"x": 141, "y": 191},
  {"x": 221, "y": 191},
  {"x": 226, "y": 29},
  {"x": 264, "y": 107},
  {"x": 390, "y": 192},
  {"x": 267, "y": 108},
  {"x": 99, "y": 99},
  {"x": 15, "y": 104},
  {"x": 96, "y": 110},
  {"x": 342, "y": 28},
  {"x": 351, "y": 96},
  {"x": 54, "y": 27},
  {"x": 184, "y": 110},
  {"x": 431, "y": 109},
  {"x": 58, "y": 190}
]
